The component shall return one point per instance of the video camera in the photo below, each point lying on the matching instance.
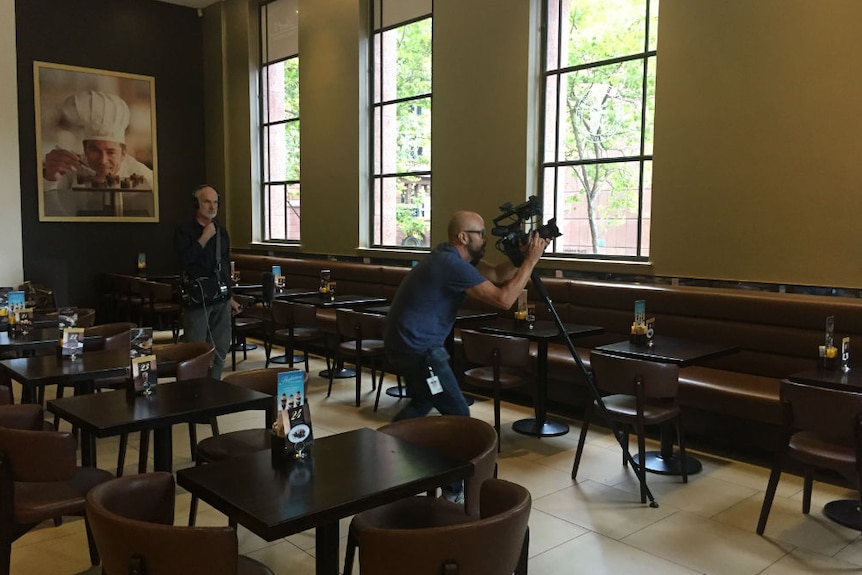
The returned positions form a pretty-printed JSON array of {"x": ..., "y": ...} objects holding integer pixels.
[{"x": 509, "y": 228}]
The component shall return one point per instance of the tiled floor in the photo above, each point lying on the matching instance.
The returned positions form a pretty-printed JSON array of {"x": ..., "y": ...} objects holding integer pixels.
[{"x": 594, "y": 525}]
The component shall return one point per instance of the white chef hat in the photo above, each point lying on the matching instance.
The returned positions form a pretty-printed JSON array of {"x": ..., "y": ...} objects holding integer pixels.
[{"x": 102, "y": 116}]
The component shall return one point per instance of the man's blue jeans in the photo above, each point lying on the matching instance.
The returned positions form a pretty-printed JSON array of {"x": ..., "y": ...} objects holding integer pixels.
[{"x": 413, "y": 369}]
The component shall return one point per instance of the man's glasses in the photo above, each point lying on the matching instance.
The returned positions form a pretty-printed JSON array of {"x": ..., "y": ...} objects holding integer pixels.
[{"x": 480, "y": 232}]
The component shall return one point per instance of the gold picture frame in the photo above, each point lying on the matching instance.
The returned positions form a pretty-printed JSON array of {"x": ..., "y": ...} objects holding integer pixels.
[{"x": 96, "y": 148}]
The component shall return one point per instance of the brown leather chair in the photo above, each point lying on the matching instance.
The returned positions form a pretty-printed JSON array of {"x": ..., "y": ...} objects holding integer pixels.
[
  {"x": 503, "y": 363},
  {"x": 86, "y": 316},
  {"x": 641, "y": 393},
  {"x": 294, "y": 326},
  {"x": 39, "y": 477},
  {"x": 242, "y": 325},
  {"x": 362, "y": 344},
  {"x": 462, "y": 437},
  {"x": 160, "y": 305},
  {"x": 822, "y": 430},
  {"x": 494, "y": 544},
  {"x": 132, "y": 522},
  {"x": 240, "y": 442},
  {"x": 184, "y": 360}
]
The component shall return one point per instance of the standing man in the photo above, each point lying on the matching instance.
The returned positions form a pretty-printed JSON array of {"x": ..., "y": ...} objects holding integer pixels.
[
  {"x": 195, "y": 242},
  {"x": 424, "y": 309}
]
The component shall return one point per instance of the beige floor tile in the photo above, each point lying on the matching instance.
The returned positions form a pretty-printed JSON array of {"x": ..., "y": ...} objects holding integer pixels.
[
  {"x": 594, "y": 525},
  {"x": 707, "y": 546},
  {"x": 605, "y": 510},
  {"x": 597, "y": 555}
]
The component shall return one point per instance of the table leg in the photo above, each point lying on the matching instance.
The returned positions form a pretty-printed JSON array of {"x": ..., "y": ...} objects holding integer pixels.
[
  {"x": 283, "y": 359},
  {"x": 326, "y": 549},
  {"x": 540, "y": 426},
  {"x": 666, "y": 462},
  {"x": 88, "y": 449},
  {"x": 162, "y": 449},
  {"x": 844, "y": 512}
]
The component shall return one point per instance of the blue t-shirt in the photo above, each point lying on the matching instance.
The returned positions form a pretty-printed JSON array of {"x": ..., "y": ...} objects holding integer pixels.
[{"x": 427, "y": 301}]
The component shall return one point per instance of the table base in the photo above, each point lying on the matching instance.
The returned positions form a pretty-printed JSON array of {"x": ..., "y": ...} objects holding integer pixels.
[
  {"x": 284, "y": 360},
  {"x": 243, "y": 347},
  {"x": 663, "y": 465},
  {"x": 340, "y": 373},
  {"x": 395, "y": 391},
  {"x": 547, "y": 428},
  {"x": 844, "y": 512}
]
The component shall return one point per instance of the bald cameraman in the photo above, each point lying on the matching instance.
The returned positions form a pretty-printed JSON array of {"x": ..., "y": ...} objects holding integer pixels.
[{"x": 424, "y": 309}]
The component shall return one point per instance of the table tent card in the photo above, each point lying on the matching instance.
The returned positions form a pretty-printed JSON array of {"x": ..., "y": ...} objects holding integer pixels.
[
  {"x": 144, "y": 374},
  {"x": 67, "y": 317},
  {"x": 72, "y": 342},
  {"x": 294, "y": 417},
  {"x": 15, "y": 300},
  {"x": 141, "y": 339}
]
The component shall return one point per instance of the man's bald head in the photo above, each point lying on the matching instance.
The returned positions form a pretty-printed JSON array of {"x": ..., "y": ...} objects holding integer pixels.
[{"x": 462, "y": 221}]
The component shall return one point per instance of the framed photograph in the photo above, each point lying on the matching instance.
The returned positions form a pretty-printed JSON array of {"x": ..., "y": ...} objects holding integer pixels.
[{"x": 95, "y": 145}]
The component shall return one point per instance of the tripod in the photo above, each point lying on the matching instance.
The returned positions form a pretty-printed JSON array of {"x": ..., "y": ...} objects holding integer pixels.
[{"x": 588, "y": 376}]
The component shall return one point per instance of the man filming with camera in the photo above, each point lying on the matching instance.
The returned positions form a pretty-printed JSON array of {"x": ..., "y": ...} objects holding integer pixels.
[
  {"x": 203, "y": 249},
  {"x": 424, "y": 309}
]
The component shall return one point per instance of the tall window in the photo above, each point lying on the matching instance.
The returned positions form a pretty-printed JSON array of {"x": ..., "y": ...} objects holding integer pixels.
[
  {"x": 279, "y": 105},
  {"x": 598, "y": 124},
  {"x": 401, "y": 104}
]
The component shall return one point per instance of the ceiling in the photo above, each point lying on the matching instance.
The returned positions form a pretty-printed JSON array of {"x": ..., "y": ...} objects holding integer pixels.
[{"x": 191, "y": 3}]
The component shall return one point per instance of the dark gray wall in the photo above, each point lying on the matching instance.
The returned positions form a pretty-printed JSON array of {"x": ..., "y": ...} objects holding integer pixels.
[{"x": 132, "y": 36}]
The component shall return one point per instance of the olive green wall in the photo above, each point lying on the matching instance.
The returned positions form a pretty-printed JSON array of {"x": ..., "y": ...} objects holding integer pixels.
[
  {"x": 758, "y": 132},
  {"x": 483, "y": 130},
  {"x": 758, "y": 122},
  {"x": 483, "y": 135}
]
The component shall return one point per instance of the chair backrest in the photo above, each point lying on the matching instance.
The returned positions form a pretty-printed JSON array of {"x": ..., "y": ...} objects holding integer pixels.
[
  {"x": 86, "y": 316},
  {"x": 830, "y": 413},
  {"x": 616, "y": 374},
  {"x": 458, "y": 436},
  {"x": 28, "y": 455},
  {"x": 354, "y": 324},
  {"x": 21, "y": 416},
  {"x": 267, "y": 281},
  {"x": 490, "y": 545},
  {"x": 114, "y": 335},
  {"x": 264, "y": 380},
  {"x": 132, "y": 522},
  {"x": 488, "y": 348},
  {"x": 192, "y": 358},
  {"x": 286, "y": 314}
]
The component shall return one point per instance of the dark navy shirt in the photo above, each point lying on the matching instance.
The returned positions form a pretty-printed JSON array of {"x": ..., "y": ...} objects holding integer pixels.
[
  {"x": 425, "y": 306},
  {"x": 197, "y": 261}
]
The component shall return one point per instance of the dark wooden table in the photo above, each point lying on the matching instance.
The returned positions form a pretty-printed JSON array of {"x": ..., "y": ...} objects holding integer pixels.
[
  {"x": 293, "y": 293},
  {"x": 37, "y": 340},
  {"x": 682, "y": 352},
  {"x": 666, "y": 349},
  {"x": 343, "y": 475},
  {"x": 339, "y": 300},
  {"x": 845, "y": 512},
  {"x": 831, "y": 378},
  {"x": 41, "y": 370},
  {"x": 542, "y": 332},
  {"x": 114, "y": 412}
]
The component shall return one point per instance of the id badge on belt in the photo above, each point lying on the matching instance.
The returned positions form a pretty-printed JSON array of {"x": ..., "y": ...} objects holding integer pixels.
[{"x": 433, "y": 382}]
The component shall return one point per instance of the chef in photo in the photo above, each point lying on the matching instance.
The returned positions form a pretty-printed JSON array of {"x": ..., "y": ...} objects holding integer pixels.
[{"x": 72, "y": 178}]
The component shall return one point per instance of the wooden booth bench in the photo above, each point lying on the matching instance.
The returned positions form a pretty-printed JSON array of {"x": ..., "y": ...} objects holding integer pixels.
[{"x": 730, "y": 399}]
